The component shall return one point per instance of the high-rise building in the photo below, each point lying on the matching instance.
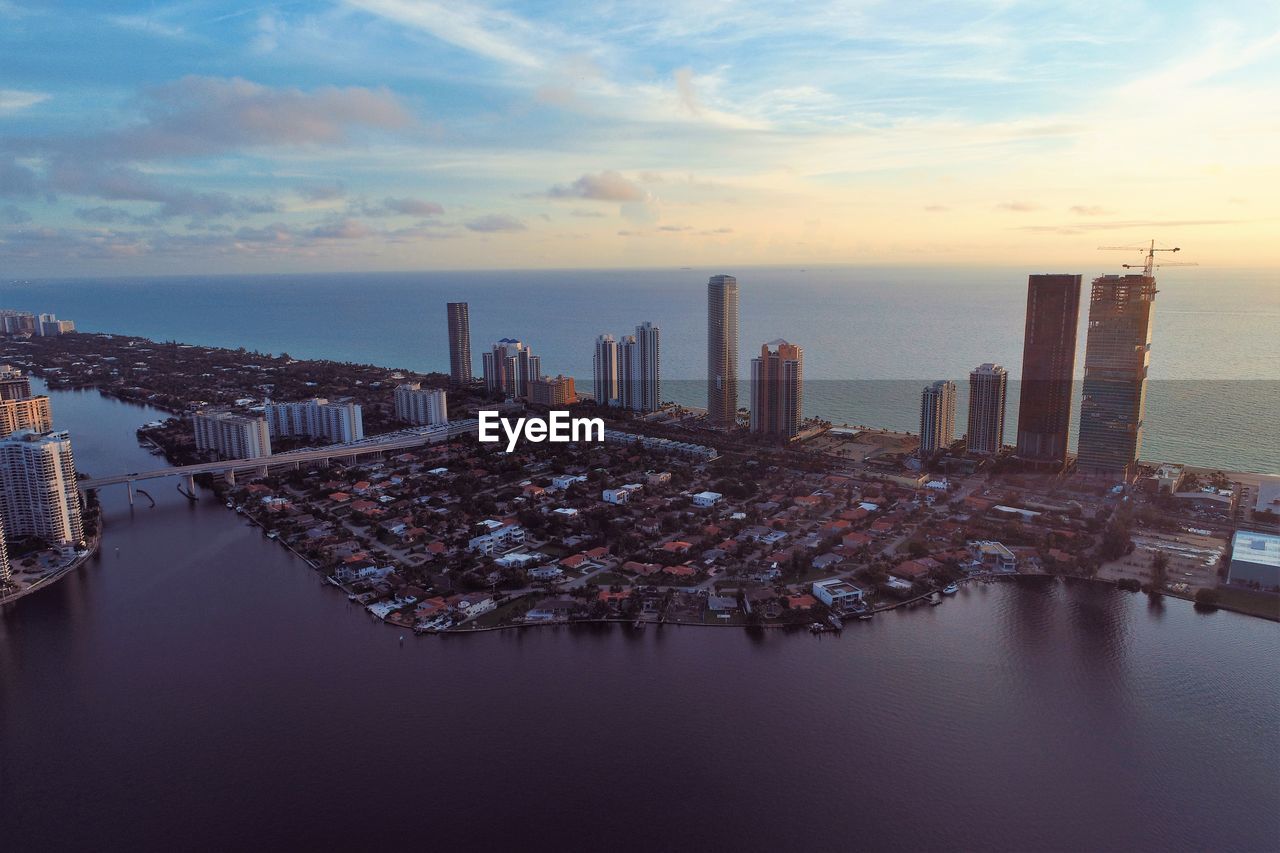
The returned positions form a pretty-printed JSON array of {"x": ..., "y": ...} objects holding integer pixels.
[
  {"x": 31, "y": 413},
  {"x": 552, "y": 391},
  {"x": 38, "y": 492},
  {"x": 339, "y": 422},
  {"x": 509, "y": 367},
  {"x": 18, "y": 322},
  {"x": 459, "y": 317},
  {"x": 639, "y": 369},
  {"x": 604, "y": 371},
  {"x": 988, "y": 386},
  {"x": 1116, "y": 358},
  {"x": 1048, "y": 362},
  {"x": 777, "y": 389},
  {"x": 937, "y": 417},
  {"x": 14, "y": 383},
  {"x": 422, "y": 406},
  {"x": 722, "y": 350},
  {"x": 231, "y": 436}
]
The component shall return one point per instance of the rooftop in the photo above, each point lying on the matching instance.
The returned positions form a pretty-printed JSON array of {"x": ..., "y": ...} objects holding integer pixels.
[{"x": 1260, "y": 548}]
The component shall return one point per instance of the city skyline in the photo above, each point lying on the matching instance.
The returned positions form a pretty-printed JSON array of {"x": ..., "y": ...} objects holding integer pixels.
[{"x": 380, "y": 134}]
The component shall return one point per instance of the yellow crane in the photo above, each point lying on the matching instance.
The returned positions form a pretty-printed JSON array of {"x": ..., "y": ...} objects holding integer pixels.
[{"x": 1149, "y": 252}]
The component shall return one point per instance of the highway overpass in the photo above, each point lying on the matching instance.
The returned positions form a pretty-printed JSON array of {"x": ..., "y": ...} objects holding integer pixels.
[{"x": 260, "y": 466}]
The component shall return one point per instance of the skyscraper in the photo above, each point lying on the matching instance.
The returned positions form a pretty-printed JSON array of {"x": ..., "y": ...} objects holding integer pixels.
[
  {"x": 340, "y": 421},
  {"x": 552, "y": 391},
  {"x": 1117, "y": 356},
  {"x": 30, "y": 413},
  {"x": 231, "y": 436},
  {"x": 1048, "y": 362},
  {"x": 988, "y": 385},
  {"x": 777, "y": 389},
  {"x": 459, "y": 317},
  {"x": 604, "y": 370},
  {"x": 639, "y": 374},
  {"x": 14, "y": 383},
  {"x": 722, "y": 350},
  {"x": 937, "y": 417},
  {"x": 422, "y": 406},
  {"x": 38, "y": 492},
  {"x": 509, "y": 367}
]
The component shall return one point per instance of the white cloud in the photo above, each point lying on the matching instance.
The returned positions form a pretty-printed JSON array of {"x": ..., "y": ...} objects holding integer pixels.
[{"x": 12, "y": 100}]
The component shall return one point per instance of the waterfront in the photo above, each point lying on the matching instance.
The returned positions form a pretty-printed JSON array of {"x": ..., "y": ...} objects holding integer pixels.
[
  {"x": 872, "y": 335},
  {"x": 202, "y": 689}
]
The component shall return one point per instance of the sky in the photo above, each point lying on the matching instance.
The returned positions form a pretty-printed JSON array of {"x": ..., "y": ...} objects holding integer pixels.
[{"x": 203, "y": 137}]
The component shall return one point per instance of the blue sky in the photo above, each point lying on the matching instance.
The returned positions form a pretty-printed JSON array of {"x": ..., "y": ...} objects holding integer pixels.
[{"x": 393, "y": 134}]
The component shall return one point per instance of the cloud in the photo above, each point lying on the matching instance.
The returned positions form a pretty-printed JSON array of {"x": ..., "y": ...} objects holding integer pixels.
[
  {"x": 342, "y": 229},
  {"x": 11, "y": 214},
  {"x": 1088, "y": 210},
  {"x": 105, "y": 215},
  {"x": 204, "y": 116},
  {"x": 674, "y": 228},
  {"x": 1018, "y": 206},
  {"x": 12, "y": 100},
  {"x": 586, "y": 214},
  {"x": 123, "y": 183},
  {"x": 495, "y": 222},
  {"x": 413, "y": 207},
  {"x": 486, "y": 32},
  {"x": 323, "y": 192},
  {"x": 606, "y": 186},
  {"x": 1081, "y": 227}
]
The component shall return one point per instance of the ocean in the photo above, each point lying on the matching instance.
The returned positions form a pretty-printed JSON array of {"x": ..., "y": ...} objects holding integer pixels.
[{"x": 872, "y": 336}]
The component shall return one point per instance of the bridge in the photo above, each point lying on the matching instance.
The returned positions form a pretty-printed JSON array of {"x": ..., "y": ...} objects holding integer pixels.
[{"x": 260, "y": 466}]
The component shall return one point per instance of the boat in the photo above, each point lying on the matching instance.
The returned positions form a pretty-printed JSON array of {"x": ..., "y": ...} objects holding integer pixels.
[
  {"x": 934, "y": 599},
  {"x": 272, "y": 535},
  {"x": 866, "y": 616},
  {"x": 230, "y": 505},
  {"x": 240, "y": 509},
  {"x": 835, "y": 621},
  {"x": 951, "y": 589}
]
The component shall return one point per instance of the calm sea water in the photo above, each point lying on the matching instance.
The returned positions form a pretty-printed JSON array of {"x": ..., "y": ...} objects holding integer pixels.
[
  {"x": 197, "y": 688},
  {"x": 872, "y": 336}
]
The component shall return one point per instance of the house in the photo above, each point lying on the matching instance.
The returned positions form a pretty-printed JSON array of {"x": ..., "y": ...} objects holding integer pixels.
[
  {"x": 517, "y": 561},
  {"x": 825, "y": 562},
  {"x": 800, "y": 602},
  {"x": 897, "y": 585},
  {"x": 657, "y": 478},
  {"x": 916, "y": 569},
  {"x": 722, "y": 603},
  {"x": 620, "y": 495},
  {"x": 499, "y": 538},
  {"x": 546, "y": 573},
  {"x": 566, "y": 511},
  {"x": 676, "y": 547},
  {"x": 994, "y": 555},
  {"x": 840, "y": 595},
  {"x": 471, "y": 604},
  {"x": 706, "y": 499},
  {"x": 564, "y": 481}
]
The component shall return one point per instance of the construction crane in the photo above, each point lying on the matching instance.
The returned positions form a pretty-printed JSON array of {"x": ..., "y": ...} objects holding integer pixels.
[{"x": 1148, "y": 268}]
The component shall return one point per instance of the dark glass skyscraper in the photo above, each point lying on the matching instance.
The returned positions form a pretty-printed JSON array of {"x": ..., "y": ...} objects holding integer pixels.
[
  {"x": 1048, "y": 362},
  {"x": 722, "y": 350},
  {"x": 1116, "y": 358},
  {"x": 459, "y": 344}
]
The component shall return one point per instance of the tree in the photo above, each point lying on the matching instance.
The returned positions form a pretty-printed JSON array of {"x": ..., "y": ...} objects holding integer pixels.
[
  {"x": 1207, "y": 597},
  {"x": 1159, "y": 570}
]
